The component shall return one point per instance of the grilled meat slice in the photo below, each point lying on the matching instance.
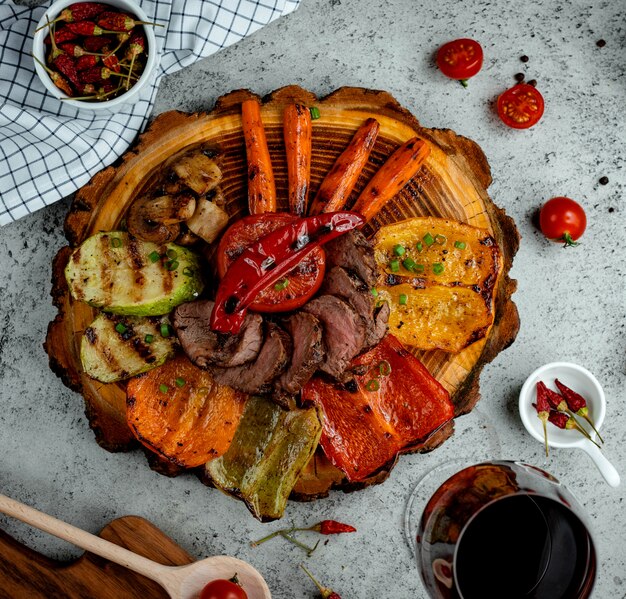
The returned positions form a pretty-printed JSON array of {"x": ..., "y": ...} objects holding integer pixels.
[
  {"x": 354, "y": 252},
  {"x": 343, "y": 332},
  {"x": 205, "y": 347},
  {"x": 308, "y": 351},
  {"x": 258, "y": 376},
  {"x": 347, "y": 285}
]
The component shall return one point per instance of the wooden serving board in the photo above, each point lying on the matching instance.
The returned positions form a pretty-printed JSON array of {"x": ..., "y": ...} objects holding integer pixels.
[
  {"x": 452, "y": 183},
  {"x": 26, "y": 574}
]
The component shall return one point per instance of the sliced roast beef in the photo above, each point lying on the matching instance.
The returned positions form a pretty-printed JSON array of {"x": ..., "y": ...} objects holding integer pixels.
[
  {"x": 205, "y": 347},
  {"x": 343, "y": 332},
  {"x": 347, "y": 285},
  {"x": 354, "y": 252},
  {"x": 308, "y": 351},
  {"x": 258, "y": 376}
]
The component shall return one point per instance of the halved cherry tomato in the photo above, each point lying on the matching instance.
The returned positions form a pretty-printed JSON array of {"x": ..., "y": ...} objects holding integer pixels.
[
  {"x": 563, "y": 220},
  {"x": 223, "y": 589},
  {"x": 521, "y": 106},
  {"x": 297, "y": 287},
  {"x": 460, "y": 59}
]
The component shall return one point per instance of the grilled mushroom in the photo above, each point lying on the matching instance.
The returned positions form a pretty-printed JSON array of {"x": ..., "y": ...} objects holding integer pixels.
[
  {"x": 198, "y": 172},
  {"x": 156, "y": 219}
]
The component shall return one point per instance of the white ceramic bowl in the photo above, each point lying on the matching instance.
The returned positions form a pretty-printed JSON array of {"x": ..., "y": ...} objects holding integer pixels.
[
  {"x": 129, "y": 97},
  {"x": 583, "y": 382}
]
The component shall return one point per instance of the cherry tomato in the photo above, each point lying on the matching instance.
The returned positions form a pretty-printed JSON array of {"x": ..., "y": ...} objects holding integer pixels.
[
  {"x": 521, "y": 106},
  {"x": 562, "y": 219},
  {"x": 460, "y": 59},
  {"x": 223, "y": 589},
  {"x": 297, "y": 287}
]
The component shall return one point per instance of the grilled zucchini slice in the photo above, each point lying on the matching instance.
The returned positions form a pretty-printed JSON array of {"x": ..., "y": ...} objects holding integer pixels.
[
  {"x": 121, "y": 274},
  {"x": 114, "y": 348}
]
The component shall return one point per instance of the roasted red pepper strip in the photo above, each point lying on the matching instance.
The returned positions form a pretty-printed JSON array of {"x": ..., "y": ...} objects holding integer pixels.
[
  {"x": 269, "y": 259},
  {"x": 399, "y": 412}
]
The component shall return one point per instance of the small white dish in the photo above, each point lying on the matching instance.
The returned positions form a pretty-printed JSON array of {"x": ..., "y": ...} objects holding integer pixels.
[
  {"x": 583, "y": 382},
  {"x": 129, "y": 97}
]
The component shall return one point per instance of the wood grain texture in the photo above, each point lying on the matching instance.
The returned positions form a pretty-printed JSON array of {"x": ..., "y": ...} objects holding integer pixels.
[
  {"x": 26, "y": 574},
  {"x": 452, "y": 183}
]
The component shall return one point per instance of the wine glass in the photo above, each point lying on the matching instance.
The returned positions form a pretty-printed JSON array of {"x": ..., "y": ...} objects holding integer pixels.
[{"x": 502, "y": 529}]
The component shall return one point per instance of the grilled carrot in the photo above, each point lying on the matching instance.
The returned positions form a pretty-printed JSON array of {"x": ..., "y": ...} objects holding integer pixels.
[
  {"x": 399, "y": 169},
  {"x": 261, "y": 186},
  {"x": 341, "y": 179},
  {"x": 297, "y": 132}
]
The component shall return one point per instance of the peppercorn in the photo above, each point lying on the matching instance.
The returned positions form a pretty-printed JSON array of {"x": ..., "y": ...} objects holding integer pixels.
[
  {"x": 600, "y": 43},
  {"x": 524, "y": 58},
  {"x": 603, "y": 180},
  {"x": 533, "y": 82},
  {"x": 519, "y": 77}
]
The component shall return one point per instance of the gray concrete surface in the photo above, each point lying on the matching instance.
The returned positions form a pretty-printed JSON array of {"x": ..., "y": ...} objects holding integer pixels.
[{"x": 571, "y": 302}]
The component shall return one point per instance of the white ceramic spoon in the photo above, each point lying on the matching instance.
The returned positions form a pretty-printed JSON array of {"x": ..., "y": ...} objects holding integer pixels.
[
  {"x": 181, "y": 582},
  {"x": 583, "y": 382}
]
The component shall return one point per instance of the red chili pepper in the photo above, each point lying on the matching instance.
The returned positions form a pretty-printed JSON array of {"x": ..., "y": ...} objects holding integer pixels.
[
  {"x": 577, "y": 404},
  {"x": 560, "y": 419},
  {"x": 96, "y": 43},
  {"x": 112, "y": 62},
  {"x": 61, "y": 82},
  {"x": 94, "y": 74},
  {"x": 74, "y": 50},
  {"x": 332, "y": 527},
  {"x": 81, "y": 11},
  {"x": 269, "y": 259},
  {"x": 543, "y": 409},
  {"x": 67, "y": 66},
  {"x": 60, "y": 36},
  {"x": 136, "y": 45},
  {"x": 554, "y": 399},
  {"x": 85, "y": 28},
  {"x": 87, "y": 62},
  {"x": 117, "y": 21},
  {"x": 325, "y": 592}
]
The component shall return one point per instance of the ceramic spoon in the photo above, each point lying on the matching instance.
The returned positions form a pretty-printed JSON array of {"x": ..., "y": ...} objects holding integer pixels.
[{"x": 181, "y": 582}]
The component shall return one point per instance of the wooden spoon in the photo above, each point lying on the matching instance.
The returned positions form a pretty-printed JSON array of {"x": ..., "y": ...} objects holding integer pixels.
[{"x": 181, "y": 582}]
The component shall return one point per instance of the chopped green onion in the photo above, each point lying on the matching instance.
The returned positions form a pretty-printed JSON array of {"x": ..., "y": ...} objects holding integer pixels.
[
  {"x": 440, "y": 239},
  {"x": 372, "y": 385},
  {"x": 418, "y": 268},
  {"x": 315, "y": 112},
  {"x": 374, "y": 291},
  {"x": 281, "y": 285},
  {"x": 403, "y": 299},
  {"x": 180, "y": 382},
  {"x": 188, "y": 271},
  {"x": 420, "y": 247},
  {"x": 173, "y": 254},
  {"x": 408, "y": 263},
  {"x": 459, "y": 245},
  {"x": 384, "y": 368},
  {"x": 120, "y": 328},
  {"x": 163, "y": 388},
  {"x": 394, "y": 265},
  {"x": 428, "y": 239},
  {"x": 149, "y": 338},
  {"x": 398, "y": 250},
  {"x": 116, "y": 242},
  {"x": 154, "y": 256},
  {"x": 171, "y": 264},
  {"x": 165, "y": 330},
  {"x": 437, "y": 268}
]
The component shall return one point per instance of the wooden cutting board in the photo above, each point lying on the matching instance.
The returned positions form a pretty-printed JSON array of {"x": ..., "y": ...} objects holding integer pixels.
[
  {"x": 26, "y": 574},
  {"x": 452, "y": 184}
]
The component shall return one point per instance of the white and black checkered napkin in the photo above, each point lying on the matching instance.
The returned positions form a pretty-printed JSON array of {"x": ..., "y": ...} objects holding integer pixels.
[{"x": 49, "y": 149}]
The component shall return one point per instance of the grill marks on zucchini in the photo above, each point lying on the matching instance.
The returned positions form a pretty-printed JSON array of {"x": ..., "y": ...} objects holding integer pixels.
[{"x": 109, "y": 354}]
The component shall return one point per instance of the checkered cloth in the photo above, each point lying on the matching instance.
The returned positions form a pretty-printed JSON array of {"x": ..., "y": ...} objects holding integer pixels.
[{"x": 49, "y": 149}]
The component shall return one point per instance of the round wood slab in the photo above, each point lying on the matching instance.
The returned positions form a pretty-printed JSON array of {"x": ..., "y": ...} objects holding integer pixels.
[{"x": 452, "y": 183}]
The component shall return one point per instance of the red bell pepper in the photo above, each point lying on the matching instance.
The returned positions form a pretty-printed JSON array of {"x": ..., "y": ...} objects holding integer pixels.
[
  {"x": 395, "y": 405},
  {"x": 269, "y": 259}
]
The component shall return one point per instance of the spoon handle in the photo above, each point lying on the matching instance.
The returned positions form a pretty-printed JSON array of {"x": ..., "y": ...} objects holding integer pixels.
[
  {"x": 82, "y": 539},
  {"x": 608, "y": 471}
]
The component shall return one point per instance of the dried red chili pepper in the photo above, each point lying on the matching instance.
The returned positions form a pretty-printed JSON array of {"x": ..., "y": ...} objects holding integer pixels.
[
  {"x": 117, "y": 21},
  {"x": 58, "y": 79},
  {"x": 96, "y": 43},
  {"x": 55, "y": 48},
  {"x": 112, "y": 62},
  {"x": 67, "y": 67},
  {"x": 563, "y": 421},
  {"x": 325, "y": 592},
  {"x": 61, "y": 36},
  {"x": 577, "y": 404},
  {"x": 269, "y": 259},
  {"x": 94, "y": 75},
  {"x": 75, "y": 50},
  {"x": 543, "y": 409},
  {"x": 87, "y": 62},
  {"x": 136, "y": 47},
  {"x": 87, "y": 28},
  {"x": 332, "y": 527}
]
